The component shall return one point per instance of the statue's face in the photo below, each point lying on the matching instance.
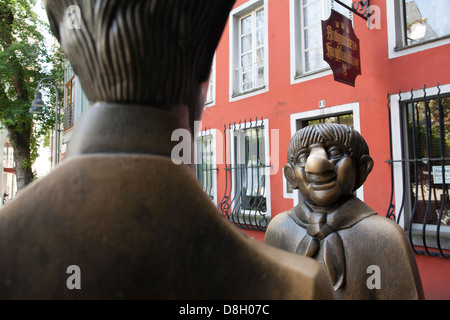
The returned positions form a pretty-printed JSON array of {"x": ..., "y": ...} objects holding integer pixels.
[{"x": 325, "y": 173}]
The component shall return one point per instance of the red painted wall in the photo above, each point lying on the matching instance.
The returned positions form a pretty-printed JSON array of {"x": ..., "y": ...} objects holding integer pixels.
[{"x": 380, "y": 75}]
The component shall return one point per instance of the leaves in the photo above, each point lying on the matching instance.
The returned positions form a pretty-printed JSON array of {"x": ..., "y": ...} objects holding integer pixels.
[{"x": 24, "y": 61}]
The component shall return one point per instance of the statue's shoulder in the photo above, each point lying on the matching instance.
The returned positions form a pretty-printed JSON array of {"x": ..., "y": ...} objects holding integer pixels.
[
  {"x": 382, "y": 226},
  {"x": 281, "y": 221},
  {"x": 284, "y": 231}
]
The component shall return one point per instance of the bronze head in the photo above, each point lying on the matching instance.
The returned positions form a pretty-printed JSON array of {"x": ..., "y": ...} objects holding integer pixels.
[
  {"x": 327, "y": 163},
  {"x": 146, "y": 52}
]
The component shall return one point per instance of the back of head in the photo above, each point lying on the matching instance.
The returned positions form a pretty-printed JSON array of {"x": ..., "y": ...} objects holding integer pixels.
[{"x": 147, "y": 52}]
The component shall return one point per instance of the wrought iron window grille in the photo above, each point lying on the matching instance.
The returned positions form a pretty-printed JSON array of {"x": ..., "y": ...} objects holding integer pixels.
[
  {"x": 205, "y": 163},
  {"x": 245, "y": 199},
  {"x": 425, "y": 138}
]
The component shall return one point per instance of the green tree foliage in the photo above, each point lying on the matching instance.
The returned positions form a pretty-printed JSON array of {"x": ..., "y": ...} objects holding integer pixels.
[{"x": 24, "y": 60}]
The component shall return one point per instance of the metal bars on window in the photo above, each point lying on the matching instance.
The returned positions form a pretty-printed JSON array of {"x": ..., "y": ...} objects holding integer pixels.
[
  {"x": 425, "y": 164},
  {"x": 205, "y": 163},
  {"x": 245, "y": 198}
]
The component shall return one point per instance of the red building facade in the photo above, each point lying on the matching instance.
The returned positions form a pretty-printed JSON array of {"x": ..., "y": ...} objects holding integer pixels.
[{"x": 269, "y": 80}]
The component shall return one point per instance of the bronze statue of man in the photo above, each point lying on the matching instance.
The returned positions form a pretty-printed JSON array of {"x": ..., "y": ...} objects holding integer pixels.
[
  {"x": 366, "y": 256},
  {"x": 118, "y": 219}
]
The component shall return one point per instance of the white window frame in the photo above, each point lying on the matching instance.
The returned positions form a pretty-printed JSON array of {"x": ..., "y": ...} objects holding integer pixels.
[
  {"x": 213, "y": 135},
  {"x": 247, "y": 125},
  {"x": 322, "y": 113},
  {"x": 397, "y": 146},
  {"x": 234, "y": 34},
  {"x": 396, "y": 40}
]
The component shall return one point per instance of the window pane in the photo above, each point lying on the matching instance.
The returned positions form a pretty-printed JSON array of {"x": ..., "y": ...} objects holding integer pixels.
[
  {"x": 246, "y": 25},
  {"x": 254, "y": 191},
  {"x": 260, "y": 18},
  {"x": 346, "y": 119},
  {"x": 426, "y": 19},
  {"x": 260, "y": 56},
  {"x": 313, "y": 37},
  {"x": 260, "y": 77},
  {"x": 312, "y": 13},
  {"x": 246, "y": 43},
  {"x": 314, "y": 59},
  {"x": 246, "y": 60},
  {"x": 247, "y": 81},
  {"x": 259, "y": 37}
]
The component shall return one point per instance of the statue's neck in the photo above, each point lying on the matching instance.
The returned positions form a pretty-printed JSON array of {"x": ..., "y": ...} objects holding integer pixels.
[{"x": 125, "y": 128}]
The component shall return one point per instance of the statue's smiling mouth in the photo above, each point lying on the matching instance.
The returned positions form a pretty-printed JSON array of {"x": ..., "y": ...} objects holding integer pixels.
[{"x": 323, "y": 181}]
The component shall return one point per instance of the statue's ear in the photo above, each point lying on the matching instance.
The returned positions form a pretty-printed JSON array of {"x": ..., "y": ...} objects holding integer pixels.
[
  {"x": 289, "y": 173},
  {"x": 364, "y": 167}
]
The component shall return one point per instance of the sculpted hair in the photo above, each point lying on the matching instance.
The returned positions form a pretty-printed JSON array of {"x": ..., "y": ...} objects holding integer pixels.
[
  {"x": 140, "y": 51},
  {"x": 320, "y": 133}
]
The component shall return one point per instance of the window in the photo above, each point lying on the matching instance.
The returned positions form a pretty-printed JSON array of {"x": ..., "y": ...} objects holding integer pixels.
[
  {"x": 249, "y": 198},
  {"x": 345, "y": 114},
  {"x": 205, "y": 163},
  {"x": 426, "y": 20},
  {"x": 416, "y": 25},
  {"x": 75, "y": 103},
  {"x": 306, "y": 35},
  {"x": 248, "y": 53},
  {"x": 251, "y": 50},
  {"x": 341, "y": 119},
  {"x": 69, "y": 98},
  {"x": 211, "y": 91},
  {"x": 421, "y": 165}
]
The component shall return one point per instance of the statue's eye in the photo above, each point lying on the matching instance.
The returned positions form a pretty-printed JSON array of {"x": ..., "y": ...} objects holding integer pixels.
[
  {"x": 301, "y": 159},
  {"x": 334, "y": 153}
]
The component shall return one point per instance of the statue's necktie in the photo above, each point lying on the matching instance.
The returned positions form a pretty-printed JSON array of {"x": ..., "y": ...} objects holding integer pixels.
[{"x": 320, "y": 234}]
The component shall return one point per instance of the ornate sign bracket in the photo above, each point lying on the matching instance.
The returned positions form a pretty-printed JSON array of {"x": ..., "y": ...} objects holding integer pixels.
[{"x": 360, "y": 8}]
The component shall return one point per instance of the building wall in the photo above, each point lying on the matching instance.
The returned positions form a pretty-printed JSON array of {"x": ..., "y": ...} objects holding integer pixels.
[{"x": 383, "y": 70}]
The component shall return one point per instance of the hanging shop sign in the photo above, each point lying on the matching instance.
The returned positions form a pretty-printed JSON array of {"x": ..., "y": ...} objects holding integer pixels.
[{"x": 341, "y": 48}]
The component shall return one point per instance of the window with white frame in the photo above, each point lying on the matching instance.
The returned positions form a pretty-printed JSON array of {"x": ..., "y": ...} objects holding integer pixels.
[
  {"x": 248, "y": 51},
  {"x": 415, "y": 25},
  {"x": 421, "y": 166},
  {"x": 306, "y": 34},
  {"x": 205, "y": 162},
  {"x": 211, "y": 91},
  {"x": 250, "y": 173}
]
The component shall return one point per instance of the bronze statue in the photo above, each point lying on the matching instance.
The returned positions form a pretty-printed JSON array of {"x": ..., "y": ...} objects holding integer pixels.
[
  {"x": 118, "y": 219},
  {"x": 366, "y": 256}
]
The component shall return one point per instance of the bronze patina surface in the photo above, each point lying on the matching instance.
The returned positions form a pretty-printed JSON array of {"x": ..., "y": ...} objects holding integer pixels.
[
  {"x": 327, "y": 163},
  {"x": 137, "y": 225}
]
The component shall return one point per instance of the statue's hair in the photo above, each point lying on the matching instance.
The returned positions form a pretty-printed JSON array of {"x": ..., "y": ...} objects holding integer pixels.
[
  {"x": 141, "y": 51},
  {"x": 320, "y": 133}
]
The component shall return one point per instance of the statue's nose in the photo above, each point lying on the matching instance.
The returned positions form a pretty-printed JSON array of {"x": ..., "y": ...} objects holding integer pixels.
[{"x": 318, "y": 162}]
